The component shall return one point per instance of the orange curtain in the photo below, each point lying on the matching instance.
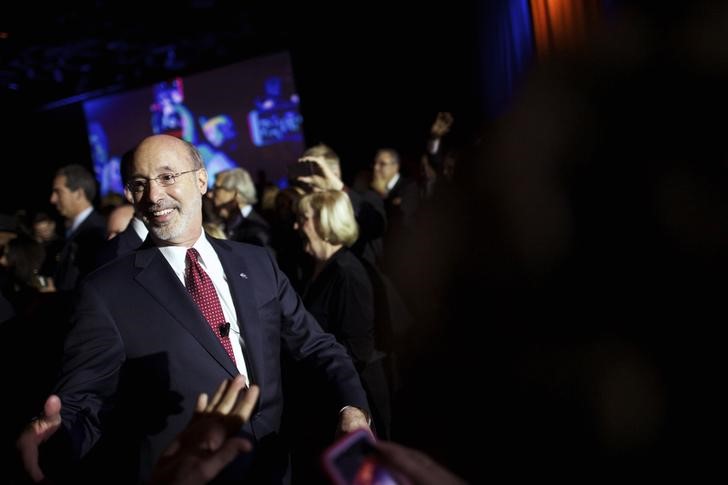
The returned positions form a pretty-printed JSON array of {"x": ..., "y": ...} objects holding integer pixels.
[{"x": 562, "y": 25}]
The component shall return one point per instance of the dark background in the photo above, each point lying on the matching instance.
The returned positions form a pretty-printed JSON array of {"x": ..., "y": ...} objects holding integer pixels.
[{"x": 367, "y": 78}]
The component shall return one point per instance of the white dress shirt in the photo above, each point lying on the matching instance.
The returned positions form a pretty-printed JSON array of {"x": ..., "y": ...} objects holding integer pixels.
[
  {"x": 82, "y": 216},
  {"x": 392, "y": 182},
  {"x": 139, "y": 227}
]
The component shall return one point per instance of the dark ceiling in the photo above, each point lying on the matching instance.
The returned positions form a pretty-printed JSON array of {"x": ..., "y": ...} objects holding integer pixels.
[{"x": 50, "y": 54}]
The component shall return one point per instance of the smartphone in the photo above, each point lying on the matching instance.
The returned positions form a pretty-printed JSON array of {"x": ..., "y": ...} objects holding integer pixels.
[
  {"x": 352, "y": 460},
  {"x": 303, "y": 169}
]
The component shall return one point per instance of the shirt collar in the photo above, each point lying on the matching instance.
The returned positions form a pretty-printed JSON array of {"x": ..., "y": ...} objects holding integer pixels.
[
  {"x": 139, "y": 227},
  {"x": 176, "y": 255},
  {"x": 80, "y": 218},
  {"x": 393, "y": 181}
]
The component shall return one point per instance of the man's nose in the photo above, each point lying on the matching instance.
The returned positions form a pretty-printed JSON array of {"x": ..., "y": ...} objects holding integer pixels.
[{"x": 154, "y": 191}]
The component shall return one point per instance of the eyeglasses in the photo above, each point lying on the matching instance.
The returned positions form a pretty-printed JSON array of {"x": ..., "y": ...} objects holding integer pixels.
[{"x": 139, "y": 185}]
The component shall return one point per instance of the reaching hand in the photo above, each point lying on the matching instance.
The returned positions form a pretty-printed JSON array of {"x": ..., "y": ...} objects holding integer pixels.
[
  {"x": 419, "y": 468},
  {"x": 326, "y": 181},
  {"x": 352, "y": 418},
  {"x": 443, "y": 123},
  {"x": 208, "y": 443},
  {"x": 36, "y": 433}
]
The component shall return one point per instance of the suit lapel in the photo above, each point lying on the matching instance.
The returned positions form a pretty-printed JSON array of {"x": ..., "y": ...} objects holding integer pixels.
[
  {"x": 158, "y": 278},
  {"x": 241, "y": 284},
  {"x": 129, "y": 240}
]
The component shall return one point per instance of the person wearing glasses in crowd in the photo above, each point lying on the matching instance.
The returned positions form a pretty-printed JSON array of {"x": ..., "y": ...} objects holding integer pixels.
[
  {"x": 144, "y": 344},
  {"x": 233, "y": 196}
]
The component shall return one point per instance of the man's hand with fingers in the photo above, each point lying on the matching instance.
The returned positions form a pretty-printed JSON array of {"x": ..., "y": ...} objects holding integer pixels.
[
  {"x": 35, "y": 434},
  {"x": 209, "y": 441},
  {"x": 442, "y": 124},
  {"x": 417, "y": 467},
  {"x": 327, "y": 180}
]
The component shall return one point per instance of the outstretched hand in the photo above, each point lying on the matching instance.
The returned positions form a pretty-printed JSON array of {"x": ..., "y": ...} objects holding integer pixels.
[
  {"x": 443, "y": 123},
  {"x": 35, "y": 434},
  {"x": 209, "y": 441},
  {"x": 416, "y": 466},
  {"x": 326, "y": 181},
  {"x": 350, "y": 419}
]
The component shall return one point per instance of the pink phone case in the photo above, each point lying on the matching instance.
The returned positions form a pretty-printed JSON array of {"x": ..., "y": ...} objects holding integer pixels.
[{"x": 352, "y": 461}]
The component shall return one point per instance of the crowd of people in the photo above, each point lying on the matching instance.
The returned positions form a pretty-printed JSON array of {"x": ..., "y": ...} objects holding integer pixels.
[
  {"x": 536, "y": 302},
  {"x": 179, "y": 289}
]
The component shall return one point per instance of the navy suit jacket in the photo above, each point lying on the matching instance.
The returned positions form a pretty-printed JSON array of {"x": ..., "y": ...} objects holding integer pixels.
[
  {"x": 401, "y": 216},
  {"x": 139, "y": 352},
  {"x": 78, "y": 256},
  {"x": 125, "y": 242}
]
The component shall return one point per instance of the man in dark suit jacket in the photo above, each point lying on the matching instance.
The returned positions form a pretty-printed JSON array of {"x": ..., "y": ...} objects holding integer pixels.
[
  {"x": 401, "y": 201},
  {"x": 233, "y": 197},
  {"x": 74, "y": 188},
  {"x": 140, "y": 350},
  {"x": 401, "y": 194}
]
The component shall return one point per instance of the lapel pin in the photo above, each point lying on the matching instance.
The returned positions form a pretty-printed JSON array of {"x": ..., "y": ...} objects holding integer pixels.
[{"x": 244, "y": 276}]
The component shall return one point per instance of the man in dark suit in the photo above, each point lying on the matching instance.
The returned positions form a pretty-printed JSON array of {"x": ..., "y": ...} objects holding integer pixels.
[
  {"x": 233, "y": 196},
  {"x": 140, "y": 350},
  {"x": 74, "y": 188},
  {"x": 401, "y": 202},
  {"x": 401, "y": 195}
]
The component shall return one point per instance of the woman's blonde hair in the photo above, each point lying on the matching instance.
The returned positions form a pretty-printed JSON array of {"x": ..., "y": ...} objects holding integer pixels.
[{"x": 333, "y": 216}]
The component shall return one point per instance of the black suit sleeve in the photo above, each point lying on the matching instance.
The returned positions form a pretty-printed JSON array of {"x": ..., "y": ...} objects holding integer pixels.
[
  {"x": 409, "y": 202},
  {"x": 93, "y": 355}
]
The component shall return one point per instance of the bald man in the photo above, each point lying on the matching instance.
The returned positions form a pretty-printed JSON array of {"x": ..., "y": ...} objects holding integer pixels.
[{"x": 118, "y": 220}]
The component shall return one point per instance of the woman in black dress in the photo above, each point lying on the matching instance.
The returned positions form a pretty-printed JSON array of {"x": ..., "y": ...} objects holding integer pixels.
[{"x": 340, "y": 294}]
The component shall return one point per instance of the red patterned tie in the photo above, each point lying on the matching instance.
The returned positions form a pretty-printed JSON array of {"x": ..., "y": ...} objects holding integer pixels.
[{"x": 203, "y": 292}]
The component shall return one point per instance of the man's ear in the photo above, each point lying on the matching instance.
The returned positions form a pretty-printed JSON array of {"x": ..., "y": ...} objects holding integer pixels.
[
  {"x": 128, "y": 196},
  {"x": 79, "y": 194},
  {"x": 202, "y": 180}
]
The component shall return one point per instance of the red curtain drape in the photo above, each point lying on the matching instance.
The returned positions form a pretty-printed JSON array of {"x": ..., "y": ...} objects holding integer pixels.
[{"x": 563, "y": 25}]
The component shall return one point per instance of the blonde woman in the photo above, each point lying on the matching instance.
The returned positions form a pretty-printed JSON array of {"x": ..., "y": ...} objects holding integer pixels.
[{"x": 340, "y": 294}]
